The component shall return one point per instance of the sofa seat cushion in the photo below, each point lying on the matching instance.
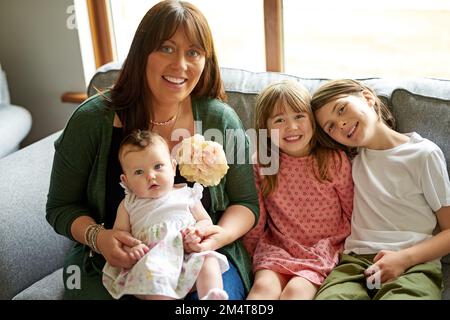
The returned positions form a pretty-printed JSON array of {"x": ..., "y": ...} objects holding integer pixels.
[
  {"x": 29, "y": 248},
  {"x": 49, "y": 288}
]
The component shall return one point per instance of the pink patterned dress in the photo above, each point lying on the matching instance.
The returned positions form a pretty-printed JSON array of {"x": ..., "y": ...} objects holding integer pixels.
[{"x": 304, "y": 222}]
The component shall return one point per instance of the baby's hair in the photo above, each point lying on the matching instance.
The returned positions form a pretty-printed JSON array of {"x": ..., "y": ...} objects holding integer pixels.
[
  {"x": 333, "y": 89},
  {"x": 280, "y": 95},
  {"x": 139, "y": 140}
]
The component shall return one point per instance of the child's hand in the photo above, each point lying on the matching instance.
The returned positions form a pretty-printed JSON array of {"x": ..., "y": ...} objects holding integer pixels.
[
  {"x": 191, "y": 239},
  {"x": 387, "y": 266},
  {"x": 111, "y": 243},
  {"x": 212, "y": 238},
  {"x": 136, "y": 252}
]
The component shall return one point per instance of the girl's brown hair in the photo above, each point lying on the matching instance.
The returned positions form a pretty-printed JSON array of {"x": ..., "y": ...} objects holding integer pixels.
[
  {"x": 282, "y": 95},
  {"x": 130, "y": 94},
  {"x": 335, "y": 88}
]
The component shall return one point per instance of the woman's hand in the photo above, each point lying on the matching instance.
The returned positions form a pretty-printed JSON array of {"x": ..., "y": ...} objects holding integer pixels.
[
  {"x": 111, "y": 244},
  {"x": 387, "y": 266}
]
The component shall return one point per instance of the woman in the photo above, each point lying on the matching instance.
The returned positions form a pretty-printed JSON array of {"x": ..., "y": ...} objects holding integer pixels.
[{"x": 170, "y": 80}]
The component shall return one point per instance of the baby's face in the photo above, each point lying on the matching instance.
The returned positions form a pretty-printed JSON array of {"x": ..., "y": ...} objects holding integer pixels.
[{"x": 150, "y": 172}]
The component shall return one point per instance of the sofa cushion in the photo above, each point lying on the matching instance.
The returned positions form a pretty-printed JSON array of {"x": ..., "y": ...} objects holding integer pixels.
[
  {"x": 104, "y": 78},
  {"x": 49, "y": 288},
  {"x": 243, "y": 86},
  {"x": 15, "y": 123},
  {"x": 29, "y": 248},
  {"x": 433, "y": 122}
]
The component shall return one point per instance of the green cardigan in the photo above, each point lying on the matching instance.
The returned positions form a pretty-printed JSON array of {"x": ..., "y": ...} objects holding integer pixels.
[{"x": 78, "y": 178}]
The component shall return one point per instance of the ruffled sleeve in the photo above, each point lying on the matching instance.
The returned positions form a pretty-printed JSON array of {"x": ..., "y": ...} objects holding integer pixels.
[
  {"x": 129, "y": 196},
  {"x": 196, "y": 193}
]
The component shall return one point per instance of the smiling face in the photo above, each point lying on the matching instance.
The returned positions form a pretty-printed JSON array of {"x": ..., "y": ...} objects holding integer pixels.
[
  {"x": 349, "y": 119},
  {"x": 294, "y": 130},
  {"x": 174, "y": 69},
  {"x": 148, "y": 172}
]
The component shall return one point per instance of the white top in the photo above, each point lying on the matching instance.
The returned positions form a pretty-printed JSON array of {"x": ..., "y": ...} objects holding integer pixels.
[
  {"x": 397, "y": 192},
  {"x": 165, "y": 269},
  {"x": 174, "y": 206}
]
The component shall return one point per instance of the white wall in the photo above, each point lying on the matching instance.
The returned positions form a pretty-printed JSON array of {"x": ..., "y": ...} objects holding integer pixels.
[{"x": 42, "y": 60}]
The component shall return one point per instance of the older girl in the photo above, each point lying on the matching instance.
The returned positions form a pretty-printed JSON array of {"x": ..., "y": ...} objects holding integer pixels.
[{"x": 401, "y": 189}]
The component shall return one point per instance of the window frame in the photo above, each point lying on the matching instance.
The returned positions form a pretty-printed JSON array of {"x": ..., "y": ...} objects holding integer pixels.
[{"x": 101, "y": 31}]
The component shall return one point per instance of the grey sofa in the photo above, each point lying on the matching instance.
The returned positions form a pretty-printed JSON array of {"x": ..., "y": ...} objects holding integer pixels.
[{"x": 31, "y": 253}]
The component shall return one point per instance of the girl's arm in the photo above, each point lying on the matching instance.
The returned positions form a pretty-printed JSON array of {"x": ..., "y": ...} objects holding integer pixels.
[
  {"x": 435, "y": 247},
  {"x": 344, "y": 186},
  {"x": 436, "y": 188},
  {"x": 391, "y": 264}
]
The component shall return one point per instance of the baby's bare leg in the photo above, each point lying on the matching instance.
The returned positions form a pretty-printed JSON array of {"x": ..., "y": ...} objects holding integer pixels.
[{"x": 209, "y": 281}]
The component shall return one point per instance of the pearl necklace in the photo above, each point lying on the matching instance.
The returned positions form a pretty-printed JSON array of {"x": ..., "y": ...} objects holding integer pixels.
[{"x": 163, "y": 123}]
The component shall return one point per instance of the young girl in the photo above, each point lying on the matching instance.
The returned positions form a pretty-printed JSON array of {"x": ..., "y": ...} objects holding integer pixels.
[
  {"x": 401, "y": 188},
  {"x": 305, "y": 208},
  {"x": 156, "y": 211}
]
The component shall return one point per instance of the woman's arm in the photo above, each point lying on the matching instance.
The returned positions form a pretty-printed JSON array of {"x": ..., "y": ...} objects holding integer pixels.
[
  {"x": 243, "y": 209},
  {"x": 115, "y": 244},
  {"x": 67, "y": 208},
  {"x": 251, "y": 239}
]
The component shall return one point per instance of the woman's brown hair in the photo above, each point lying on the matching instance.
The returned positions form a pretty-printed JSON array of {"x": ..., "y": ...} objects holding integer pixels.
[
  {"x": 288, "y": 94},
  {"x": 335, "y": 88},
  {"x": 130, "y": 94}
]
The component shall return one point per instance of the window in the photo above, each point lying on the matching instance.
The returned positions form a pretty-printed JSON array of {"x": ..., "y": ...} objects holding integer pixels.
[
  {"x": 321, "y": 38},
  {"x": 362, "y": 38},
  {"x": 237, "y": 27}
]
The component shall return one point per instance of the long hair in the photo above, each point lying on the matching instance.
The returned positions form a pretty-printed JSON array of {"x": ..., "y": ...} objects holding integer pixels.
[
  {"x": 278, "y": 96},
  {"x": 130, "y": 96},
  {"x": 335, "y": 88}
]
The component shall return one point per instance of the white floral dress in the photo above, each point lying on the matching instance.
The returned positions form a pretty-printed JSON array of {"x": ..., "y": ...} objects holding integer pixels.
[{"x": 165, "y": 269}]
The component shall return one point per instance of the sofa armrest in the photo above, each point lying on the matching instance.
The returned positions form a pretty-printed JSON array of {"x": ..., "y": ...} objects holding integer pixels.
[{"x": 29, "y": 248}]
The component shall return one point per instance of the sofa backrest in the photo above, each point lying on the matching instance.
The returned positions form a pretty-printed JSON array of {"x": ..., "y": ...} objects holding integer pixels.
[{"x": 420, "y": 104}]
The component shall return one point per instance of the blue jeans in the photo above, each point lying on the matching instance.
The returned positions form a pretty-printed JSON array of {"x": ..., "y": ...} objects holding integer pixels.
[{"x": 232, "y": 284}]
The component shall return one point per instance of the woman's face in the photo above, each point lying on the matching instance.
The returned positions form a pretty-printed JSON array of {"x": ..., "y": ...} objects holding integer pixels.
[
  {"x": 349, "y": 119},
  {"x": 174, "y": 69}
]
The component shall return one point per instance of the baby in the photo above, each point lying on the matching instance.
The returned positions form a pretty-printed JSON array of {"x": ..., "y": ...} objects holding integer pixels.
[{"x": 155, "y": 211}]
